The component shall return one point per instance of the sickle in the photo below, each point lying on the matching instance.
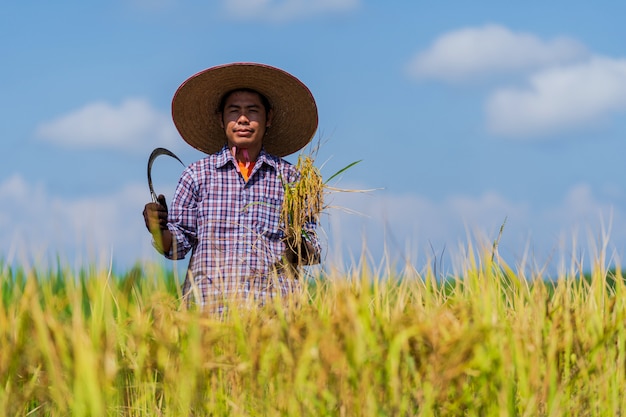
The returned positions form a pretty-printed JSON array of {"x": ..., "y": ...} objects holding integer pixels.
[{"x": 153, "y": 156}]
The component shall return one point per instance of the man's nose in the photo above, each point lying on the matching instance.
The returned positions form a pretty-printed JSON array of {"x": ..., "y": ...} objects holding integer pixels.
[{"x": 243, "y": 119}]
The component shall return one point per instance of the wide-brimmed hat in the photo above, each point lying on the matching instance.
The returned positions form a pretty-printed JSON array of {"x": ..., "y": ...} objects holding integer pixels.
[{"x": 196, "y": 104}]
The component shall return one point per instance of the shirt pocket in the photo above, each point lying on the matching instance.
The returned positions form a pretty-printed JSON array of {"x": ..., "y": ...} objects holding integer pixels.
[{"x": 265, "y": 217}]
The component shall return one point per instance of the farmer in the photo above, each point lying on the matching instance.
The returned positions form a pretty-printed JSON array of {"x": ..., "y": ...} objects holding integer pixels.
[{"x": 226, "y": 207}]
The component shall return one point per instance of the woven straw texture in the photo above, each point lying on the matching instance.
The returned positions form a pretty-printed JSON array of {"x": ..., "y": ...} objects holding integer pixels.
[{"x": 195, "y": 107}]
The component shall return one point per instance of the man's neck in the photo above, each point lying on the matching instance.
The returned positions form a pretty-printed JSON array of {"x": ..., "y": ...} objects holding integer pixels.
[{"x": 245, "y": 155}]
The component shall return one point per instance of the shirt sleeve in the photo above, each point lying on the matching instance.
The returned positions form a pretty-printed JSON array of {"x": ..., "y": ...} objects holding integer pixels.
[{"x": 183, "y": 215}]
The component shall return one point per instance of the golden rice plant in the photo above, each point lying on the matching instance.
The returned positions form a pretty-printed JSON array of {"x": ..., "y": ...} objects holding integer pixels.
[
  {"x": 370, "y": 341},
  {"x": 303, "y": 200}
]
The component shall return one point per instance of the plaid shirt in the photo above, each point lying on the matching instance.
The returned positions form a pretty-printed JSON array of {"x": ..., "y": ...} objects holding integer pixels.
[{"x": 232, "y": 228}]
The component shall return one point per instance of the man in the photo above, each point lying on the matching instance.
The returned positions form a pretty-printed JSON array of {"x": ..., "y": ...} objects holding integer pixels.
[{"x": 226, "y": 207}]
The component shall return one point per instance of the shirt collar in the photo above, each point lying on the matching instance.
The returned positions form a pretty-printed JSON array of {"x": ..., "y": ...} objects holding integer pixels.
[{"x": 225, "y": 156}]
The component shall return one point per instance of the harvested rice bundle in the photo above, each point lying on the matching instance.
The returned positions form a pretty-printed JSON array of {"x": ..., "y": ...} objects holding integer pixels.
[{"x": 303, "y": 201}]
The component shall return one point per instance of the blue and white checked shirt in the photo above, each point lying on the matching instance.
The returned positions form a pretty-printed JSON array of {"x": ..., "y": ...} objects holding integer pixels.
[{"x": 232, "y": 227}]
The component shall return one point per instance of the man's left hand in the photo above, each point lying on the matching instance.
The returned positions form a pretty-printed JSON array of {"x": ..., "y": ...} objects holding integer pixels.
[{"x": 304, "y": 254}]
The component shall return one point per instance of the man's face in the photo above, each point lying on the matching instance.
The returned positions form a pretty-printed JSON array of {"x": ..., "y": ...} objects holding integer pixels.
[{"x": 244, "y": 120}]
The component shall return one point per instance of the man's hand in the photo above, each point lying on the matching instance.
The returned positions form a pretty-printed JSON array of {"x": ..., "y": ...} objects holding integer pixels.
[
  {"x": 155, "y": 215},
  {"x": 304, "y": 254}
]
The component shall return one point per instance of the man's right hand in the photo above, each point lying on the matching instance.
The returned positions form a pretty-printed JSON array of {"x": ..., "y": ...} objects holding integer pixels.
[{"x": 155, "y": 215}]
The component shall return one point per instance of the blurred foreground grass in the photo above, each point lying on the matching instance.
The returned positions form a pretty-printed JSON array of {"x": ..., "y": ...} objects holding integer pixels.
[{"x": 487, "y": 342}]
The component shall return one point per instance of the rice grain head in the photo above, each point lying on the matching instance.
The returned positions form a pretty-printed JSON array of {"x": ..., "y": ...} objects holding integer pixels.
[{"x": 303, "y": 201}]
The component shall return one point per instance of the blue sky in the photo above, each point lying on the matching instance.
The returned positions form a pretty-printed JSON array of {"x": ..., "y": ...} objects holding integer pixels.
[{"x": 464, "y": 114}]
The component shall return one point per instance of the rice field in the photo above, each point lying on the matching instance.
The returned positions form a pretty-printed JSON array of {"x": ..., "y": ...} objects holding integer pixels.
[{"x": 487, "y": 341}]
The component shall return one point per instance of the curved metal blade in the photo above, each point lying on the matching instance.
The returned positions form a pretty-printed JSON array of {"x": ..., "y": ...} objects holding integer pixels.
[{"x": 153, "y": 156}]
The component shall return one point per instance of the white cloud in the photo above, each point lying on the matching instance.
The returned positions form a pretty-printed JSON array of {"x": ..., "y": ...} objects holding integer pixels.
[
  {"x": 388, "y": 220},
  {"x": 133, "y": 125},
  {"x": 579, "y": 206},
  {"x": 480, "y": 51},
  {"x": 567, "y": 87},
  {"x": 38, "y": 226},
  {"x": 559, "y": 98},
  {"x": 283, "y": 10},
  {"x": 418, "y": 228}
]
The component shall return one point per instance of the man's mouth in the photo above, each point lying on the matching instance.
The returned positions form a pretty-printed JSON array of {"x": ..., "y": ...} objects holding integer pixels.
[{"x": 243, "y": 132}]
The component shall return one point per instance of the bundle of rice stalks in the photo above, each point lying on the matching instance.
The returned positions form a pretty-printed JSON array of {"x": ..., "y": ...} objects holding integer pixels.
[
  {"x": 303, "y": 202},
  {"x": 304, "y": 199}
]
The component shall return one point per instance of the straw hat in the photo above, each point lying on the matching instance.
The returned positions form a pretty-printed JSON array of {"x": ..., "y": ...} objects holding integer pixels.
[{"x": 196, "y": 103}]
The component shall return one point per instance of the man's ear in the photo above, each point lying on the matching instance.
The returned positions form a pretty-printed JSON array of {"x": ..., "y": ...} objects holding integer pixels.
[
  {"x": 221, "y": 116},
  {"x": 270, "y": 114}
]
